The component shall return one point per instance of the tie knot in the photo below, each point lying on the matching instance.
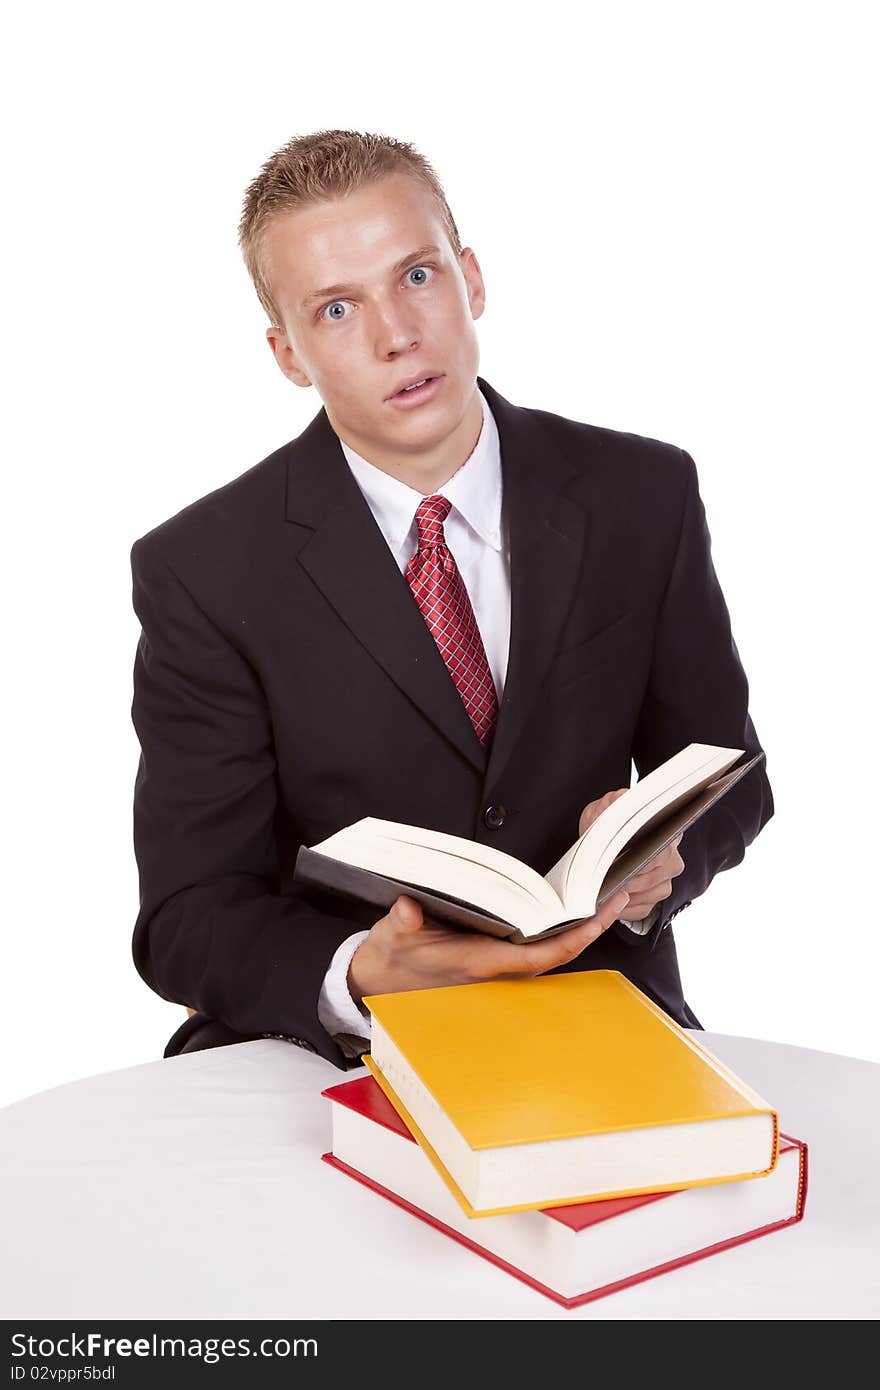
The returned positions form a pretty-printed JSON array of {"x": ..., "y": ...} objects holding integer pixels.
[{"x": 430, "y": 516}]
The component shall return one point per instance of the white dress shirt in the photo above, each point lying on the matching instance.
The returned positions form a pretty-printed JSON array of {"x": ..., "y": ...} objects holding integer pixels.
[{"x": 477, "y": 537}]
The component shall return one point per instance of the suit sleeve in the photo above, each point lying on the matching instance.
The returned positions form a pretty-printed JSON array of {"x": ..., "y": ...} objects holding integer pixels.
[
  {"x": 214, "y": 931},
  {"x": 697, "y": 692}
]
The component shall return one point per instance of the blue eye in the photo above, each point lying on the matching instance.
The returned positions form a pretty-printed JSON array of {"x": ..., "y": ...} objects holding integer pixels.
[
  {"x": 337, "y": 303},
  {"x": 420, "y": 268}
]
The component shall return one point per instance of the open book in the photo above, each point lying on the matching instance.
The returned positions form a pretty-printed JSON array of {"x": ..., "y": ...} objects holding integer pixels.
[{"x": 463, "y": 883}]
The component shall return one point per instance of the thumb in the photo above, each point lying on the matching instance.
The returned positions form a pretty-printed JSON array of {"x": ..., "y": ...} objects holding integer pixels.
[{"x": 408, "y": 912}]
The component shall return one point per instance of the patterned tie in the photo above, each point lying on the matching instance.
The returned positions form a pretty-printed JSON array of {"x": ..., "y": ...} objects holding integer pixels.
[{"x": 439, "y": 591}]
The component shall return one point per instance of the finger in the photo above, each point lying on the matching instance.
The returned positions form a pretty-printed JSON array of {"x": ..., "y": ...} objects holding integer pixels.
[
  {"x": 645, "y": 882},
  {"x": 408, "y": 912},
  {"x": 666, "y": 865},
  {"x": 673, "y": 862},
  {"x": 602, "y": 802},
  {"x": 594, "y": 809},
  {"x": 640, "y": 904},
  {"x": 537, "y": 956},
  {"x": 666, "y": 856}
]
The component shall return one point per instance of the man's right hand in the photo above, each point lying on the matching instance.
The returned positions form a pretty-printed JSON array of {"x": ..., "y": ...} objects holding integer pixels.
[{"x": 404, "y": 951}]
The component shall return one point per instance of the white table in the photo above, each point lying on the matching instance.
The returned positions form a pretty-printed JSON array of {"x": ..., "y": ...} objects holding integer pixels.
[{"x": 193, "y": 1187}]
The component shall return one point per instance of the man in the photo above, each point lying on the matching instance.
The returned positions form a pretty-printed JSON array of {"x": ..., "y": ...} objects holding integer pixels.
[{"x": 432, "y": 606}]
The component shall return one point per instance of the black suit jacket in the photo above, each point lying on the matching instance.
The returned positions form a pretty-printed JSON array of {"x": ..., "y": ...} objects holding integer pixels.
[{"x": 285, "y": 684}]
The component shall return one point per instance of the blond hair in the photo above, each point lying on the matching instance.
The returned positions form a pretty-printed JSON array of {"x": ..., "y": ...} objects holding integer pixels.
[{"x": 314, "y": 168}]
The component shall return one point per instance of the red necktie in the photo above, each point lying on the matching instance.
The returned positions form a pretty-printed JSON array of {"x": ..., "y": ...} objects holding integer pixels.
[{"x": 439, "y": 591}]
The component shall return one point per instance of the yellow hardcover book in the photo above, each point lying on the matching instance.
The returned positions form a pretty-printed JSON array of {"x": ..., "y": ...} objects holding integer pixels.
[{"x": 561, "y": 1089}]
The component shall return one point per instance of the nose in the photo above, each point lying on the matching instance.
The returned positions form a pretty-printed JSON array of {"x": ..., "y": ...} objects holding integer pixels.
[{"x": 396, "y": 328}]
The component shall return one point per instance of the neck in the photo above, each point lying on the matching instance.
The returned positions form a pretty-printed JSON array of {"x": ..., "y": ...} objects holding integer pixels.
[{"x": 427, "y": 471}]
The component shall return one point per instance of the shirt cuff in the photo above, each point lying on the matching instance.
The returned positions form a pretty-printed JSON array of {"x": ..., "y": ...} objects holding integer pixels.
[
  {"x": 644, "y": 926},
  {"x": 337, "y": 1011}
]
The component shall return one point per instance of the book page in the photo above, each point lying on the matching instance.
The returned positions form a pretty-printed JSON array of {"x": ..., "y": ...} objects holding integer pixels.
[
  {"x": 557, "y": 877},
  {"x": 662, "y": 829},
  {"x": 506, "y": 866},
  {"x": 579, "y": 873},
  {"x": 570, "y": 882},
  {"x": 440, "y": 871}
]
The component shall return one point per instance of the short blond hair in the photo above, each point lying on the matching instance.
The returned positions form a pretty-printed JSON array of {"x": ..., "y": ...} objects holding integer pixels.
[{"x": 313, "y": 168}]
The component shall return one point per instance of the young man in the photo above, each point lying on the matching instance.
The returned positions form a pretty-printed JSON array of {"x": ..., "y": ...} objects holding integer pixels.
[{"x": 432, "y": 606}]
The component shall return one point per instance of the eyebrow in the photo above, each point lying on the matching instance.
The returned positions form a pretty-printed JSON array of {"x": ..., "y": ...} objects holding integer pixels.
[{"x": 348, "y": 289}]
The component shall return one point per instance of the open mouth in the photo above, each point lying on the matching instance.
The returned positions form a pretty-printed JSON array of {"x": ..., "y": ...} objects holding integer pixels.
[{"x": 419, "y": 390}]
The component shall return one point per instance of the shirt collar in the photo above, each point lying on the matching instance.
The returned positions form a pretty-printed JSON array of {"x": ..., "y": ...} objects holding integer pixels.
[{"x": 474, "y": 489}]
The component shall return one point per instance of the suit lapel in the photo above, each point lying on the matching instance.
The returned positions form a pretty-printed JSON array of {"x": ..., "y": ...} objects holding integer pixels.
[
  {"x": 348, "y": 558},
  {"x": 548, "y": 534}
]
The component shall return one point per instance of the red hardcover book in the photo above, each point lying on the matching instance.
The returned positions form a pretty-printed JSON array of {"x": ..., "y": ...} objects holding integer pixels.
[{"x": 572, "y": 1254}]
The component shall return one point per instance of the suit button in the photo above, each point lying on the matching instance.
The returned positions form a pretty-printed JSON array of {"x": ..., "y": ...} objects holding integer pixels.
[{"x": 493, "y": 817}]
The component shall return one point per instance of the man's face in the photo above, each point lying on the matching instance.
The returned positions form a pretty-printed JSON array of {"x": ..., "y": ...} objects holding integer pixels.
[{"x": 390, "y": 311}]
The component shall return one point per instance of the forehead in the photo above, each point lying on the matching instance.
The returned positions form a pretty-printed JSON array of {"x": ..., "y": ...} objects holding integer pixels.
[{"x": 356, "y": 238}]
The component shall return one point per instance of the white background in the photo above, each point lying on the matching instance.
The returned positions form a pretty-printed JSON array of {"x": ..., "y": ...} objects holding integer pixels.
[{"x": 671, "y": 205}]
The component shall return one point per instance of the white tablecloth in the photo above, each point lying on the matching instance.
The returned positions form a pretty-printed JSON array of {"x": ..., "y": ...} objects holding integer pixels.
[{"x": 193, "y": 1187}]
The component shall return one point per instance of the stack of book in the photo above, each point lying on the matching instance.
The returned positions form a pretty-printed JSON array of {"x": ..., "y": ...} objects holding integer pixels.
[{"x": 565, "y": 1128}]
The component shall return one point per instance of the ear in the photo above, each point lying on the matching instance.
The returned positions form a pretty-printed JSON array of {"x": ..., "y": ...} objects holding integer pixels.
[
  {"x": 473, "y": 279},
  {"x": 283, "y": 352}
]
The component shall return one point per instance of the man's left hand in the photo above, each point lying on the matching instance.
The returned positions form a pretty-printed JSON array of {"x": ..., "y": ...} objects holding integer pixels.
[{"x": 654, "y": 882}]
